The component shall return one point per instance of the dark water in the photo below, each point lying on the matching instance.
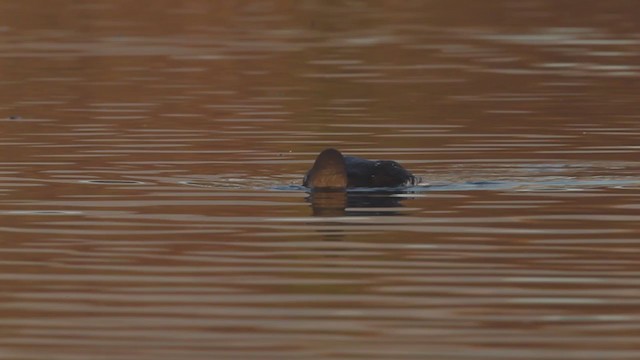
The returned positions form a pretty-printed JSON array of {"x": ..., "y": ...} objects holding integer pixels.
[{"x": 152, "y": 154}]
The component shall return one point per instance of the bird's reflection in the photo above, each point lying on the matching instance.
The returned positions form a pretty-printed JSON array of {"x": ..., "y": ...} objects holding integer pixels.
[{"x": 343, "y": 203}]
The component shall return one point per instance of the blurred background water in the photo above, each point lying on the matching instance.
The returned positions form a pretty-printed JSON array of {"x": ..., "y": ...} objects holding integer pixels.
[{"x": 151, "y": 156}]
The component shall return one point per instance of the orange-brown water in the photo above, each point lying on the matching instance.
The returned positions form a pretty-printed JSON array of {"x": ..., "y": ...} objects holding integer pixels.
[{"x": 151, "y": 155}]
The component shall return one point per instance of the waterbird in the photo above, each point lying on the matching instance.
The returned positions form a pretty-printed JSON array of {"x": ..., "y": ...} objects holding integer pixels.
[{"x": 333, "y": 171}]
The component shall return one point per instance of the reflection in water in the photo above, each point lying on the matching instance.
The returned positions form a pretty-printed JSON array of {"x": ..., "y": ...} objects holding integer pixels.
[
  {"x": 355, "y": 203},
  {"x": 336, "y": 204},
  {"x": 328, "y": 203},
  {"x": 113, "y": 182}
]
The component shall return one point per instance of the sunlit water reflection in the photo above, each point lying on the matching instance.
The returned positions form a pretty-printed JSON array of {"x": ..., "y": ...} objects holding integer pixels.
[{"x": 151, "y": 204}]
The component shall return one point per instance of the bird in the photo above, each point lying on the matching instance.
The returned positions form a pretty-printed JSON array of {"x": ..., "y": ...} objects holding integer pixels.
[{"x": 333, "y": 171}]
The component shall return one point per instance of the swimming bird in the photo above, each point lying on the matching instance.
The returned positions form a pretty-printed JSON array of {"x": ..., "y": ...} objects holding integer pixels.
[{"x": 333, "y": 171}]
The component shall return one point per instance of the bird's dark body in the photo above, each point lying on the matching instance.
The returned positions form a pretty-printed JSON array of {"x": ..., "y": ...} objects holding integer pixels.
[{"x": 332, "y": 170}]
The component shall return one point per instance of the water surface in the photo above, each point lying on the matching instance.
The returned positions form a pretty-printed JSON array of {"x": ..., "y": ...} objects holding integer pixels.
[{"x": 152, "y": 156}]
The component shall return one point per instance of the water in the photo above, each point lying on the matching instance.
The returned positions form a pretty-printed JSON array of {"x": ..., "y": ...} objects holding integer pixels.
[{"x": 152, "y": 156}]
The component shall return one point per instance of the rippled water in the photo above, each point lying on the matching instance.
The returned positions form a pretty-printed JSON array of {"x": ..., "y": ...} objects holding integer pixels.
[{"x": 151, "y": 162}]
